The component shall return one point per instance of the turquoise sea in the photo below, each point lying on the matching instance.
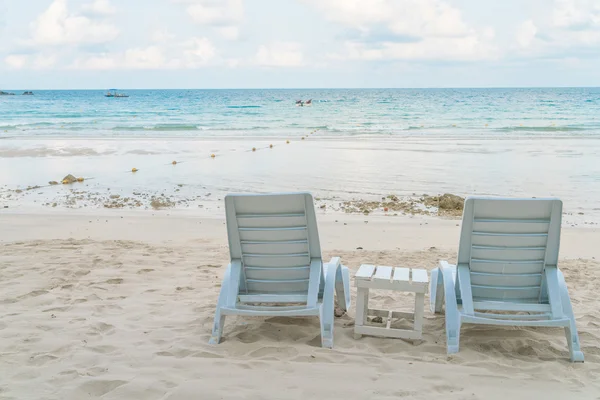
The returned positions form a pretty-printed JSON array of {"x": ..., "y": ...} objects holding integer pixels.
[
  {"x": 349, "y": 144},
  {"x": 215, "y": 113}
]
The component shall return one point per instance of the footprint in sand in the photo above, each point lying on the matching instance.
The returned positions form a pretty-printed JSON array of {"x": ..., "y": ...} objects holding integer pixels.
[
  {"x": 34, "y": 293},
  {"x": 206, "y": 354},
  {"x": 41, "y": 359},
  {"x": 145, "y": 270},
  {"x": 103, "y": 349},
  {"x": 97, "y": 388},
  {"x": 115, "y": 281},
  {"x": 177, "y": 353},
  {"x": 247, "y": 337},
  {"x": 274, "y": 352},
  {"x": 101, "y": 327}
]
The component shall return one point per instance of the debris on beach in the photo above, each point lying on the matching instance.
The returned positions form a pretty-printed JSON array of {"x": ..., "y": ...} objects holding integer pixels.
[
  {"x": 68, "y": 179},
  {"x": 161, "y": 202},
  {"x": 447, "y": 204},
  {"x": 443, "y": 205}
]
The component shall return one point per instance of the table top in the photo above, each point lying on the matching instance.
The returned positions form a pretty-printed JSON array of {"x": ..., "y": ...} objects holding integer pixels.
[{"x": 392, "y": 275}]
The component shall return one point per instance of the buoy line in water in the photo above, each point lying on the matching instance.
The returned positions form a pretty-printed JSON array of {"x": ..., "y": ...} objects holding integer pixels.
[{"x": 70, "y": 179}]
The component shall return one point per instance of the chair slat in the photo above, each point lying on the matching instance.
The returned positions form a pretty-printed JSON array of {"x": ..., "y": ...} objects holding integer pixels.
[
  {"x": 277, "y": 260},
  {"x": 275, "y": 247},
  {"x": 509, "y": 240},
  {"x": 280, "y": 222},
  {"x": 276, "y": 273},
  {"x": 512, "y": 280},
  {"x": 273, "y": 234}
]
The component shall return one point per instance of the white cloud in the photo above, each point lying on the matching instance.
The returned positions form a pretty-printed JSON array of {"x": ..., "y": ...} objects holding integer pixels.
[
  {"x": 44, "y": 61},
  {"x": 576, "y": 14},
  {"x": 280, "y": 54},
  {"x": 95, "y": 62},
  {"x": 57, "y": 26},
  {"x": 407, "y": 30},
  {"x": 413, "y": 18},
  {"x": 229, "y": 32},
  {"x": 448, "y": 49},
  {"x": 216, "y": 12},
  {"x": 190, "y": 54},
  {"x": 526, "y": 33},
  {"x": 151, "y": 57},
  {"x": 571, "y": 29},
  {"x": 100, "y": 7},
  {"x": 198, "y": 52},
  {"x": 225, "y": 16},
  {"x": 15, "y": 61},
  {"x": 162, "y": 36}
]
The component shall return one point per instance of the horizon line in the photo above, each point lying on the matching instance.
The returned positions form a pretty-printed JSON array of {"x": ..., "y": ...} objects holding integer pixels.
[{"x": 321, "y": 88}]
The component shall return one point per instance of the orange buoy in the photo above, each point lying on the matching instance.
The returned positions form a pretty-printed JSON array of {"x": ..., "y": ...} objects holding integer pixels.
[
  {"x": 134, "y": 170},
  {"x": 80, "y": 179},
  {"x": 270, "y": 146},
  {"x": 212, "y": 156},
  {"x": 174, "y": 163}
]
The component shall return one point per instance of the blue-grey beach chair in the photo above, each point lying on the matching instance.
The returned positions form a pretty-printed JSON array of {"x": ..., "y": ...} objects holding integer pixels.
[
  {"x": 508, "y": 263},
  {"x": 276, "y": 267}
]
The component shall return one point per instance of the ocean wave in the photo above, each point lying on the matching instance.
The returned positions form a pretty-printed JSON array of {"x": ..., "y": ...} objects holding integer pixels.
[
  {"x": 552, "y": 128},
  {"x": 243, "y": 106}
]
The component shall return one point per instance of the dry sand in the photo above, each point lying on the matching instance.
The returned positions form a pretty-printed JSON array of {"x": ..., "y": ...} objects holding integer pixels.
[{"x": 120, "y": 306}]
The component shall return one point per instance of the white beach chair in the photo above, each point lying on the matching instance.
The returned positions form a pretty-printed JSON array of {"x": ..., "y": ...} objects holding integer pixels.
[
  {"x": 276, "y": 267},
  {"x": 507, "y": 262}
]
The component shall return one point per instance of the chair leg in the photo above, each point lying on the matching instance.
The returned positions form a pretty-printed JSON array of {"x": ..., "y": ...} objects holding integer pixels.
[
  {"x": 452, "y": 335},
  {"x": 326, "y": 311},
  {"x": 219, "y": 322},
  {"x": 326, "y": 320},
  {"x": 218, "y": 326},
  {"x": 453, "y": 321},
  {"x": 570, "y": 331}
]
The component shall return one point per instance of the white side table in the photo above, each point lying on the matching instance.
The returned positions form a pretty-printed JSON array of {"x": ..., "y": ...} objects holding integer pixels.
[{"x": 389, "y": 278}]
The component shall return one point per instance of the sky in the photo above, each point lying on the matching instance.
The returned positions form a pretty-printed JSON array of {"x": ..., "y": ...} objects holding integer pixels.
[{"x": 79, "y": 44}]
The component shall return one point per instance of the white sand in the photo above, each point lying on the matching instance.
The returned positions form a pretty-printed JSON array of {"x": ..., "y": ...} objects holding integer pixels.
[{"x": 121, "y": 308}]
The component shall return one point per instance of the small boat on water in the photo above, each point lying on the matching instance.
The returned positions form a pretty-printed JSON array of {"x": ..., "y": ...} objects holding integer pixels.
[
  {"x": 302, "y": 103},
  {"x": 29, "y": 93},
  {"x": 114, "y": 93}
]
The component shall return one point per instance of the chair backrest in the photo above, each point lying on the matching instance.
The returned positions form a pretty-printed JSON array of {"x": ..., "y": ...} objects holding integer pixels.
[
  {"x": 275, "y": 237},
  {"x": 507, "y": 243}
]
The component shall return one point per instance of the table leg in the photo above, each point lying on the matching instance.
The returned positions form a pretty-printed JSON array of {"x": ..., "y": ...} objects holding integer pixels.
[
  {"x": 362, "y": 308},
  {"x": 419, "y": 308}
]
